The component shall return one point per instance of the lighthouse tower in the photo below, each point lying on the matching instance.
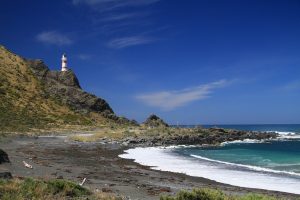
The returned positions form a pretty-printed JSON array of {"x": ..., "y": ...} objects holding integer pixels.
[{"x": 64, "y": 66}]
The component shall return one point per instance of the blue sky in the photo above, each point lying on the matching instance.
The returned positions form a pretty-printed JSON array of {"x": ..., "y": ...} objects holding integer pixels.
[{"x": 191, "y": 62}]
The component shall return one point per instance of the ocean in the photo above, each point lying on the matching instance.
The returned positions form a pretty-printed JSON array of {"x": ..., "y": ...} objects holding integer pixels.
[{"x": 270, "y": 165}]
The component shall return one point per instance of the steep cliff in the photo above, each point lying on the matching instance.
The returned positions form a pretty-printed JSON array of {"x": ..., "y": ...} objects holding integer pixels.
[{"x": 65, "y": 87}]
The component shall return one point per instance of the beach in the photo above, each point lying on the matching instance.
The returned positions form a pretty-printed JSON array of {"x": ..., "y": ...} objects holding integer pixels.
[{"x": 98, "y": 162}]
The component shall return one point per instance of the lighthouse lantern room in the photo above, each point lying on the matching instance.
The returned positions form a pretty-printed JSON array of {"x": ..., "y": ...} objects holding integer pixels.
[{"x": 64, "y": 66}]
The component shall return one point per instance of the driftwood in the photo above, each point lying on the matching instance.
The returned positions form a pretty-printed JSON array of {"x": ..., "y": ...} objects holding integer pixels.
[
  {"x": 83, "y": 181},
  {"x": 27, "y": 165}
]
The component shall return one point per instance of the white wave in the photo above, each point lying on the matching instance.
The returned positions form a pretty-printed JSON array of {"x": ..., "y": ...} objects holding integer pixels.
[
  {"x": 289, "y": 137},
  {"x": 282, "y": 132},
  {"x": 165, "y": 160},
  {"x": 256, "y": 168},
  {"x": 179, "y": 146},
  {"x": 243, "y": 141},
  {"x": 286, "y": 134}
]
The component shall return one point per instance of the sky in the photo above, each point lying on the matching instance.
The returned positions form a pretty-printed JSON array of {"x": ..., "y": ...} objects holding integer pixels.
[{"x": 188, "y": 61}]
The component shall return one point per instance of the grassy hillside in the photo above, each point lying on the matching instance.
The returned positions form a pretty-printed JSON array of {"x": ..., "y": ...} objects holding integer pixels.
[{"x": 25, "y": 105}]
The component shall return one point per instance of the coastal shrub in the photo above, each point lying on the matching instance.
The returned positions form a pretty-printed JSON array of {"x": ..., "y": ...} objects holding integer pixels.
[
  {"x": 256, "y": 197},
  {"x": 199, "y": 194},
  {"x": 38, "y": 189},
  {"x": 68, "y": 188},
  {"x": 211, "y": 194}
]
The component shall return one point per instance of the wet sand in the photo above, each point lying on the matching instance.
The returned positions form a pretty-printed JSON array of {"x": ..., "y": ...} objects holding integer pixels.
[{"x": 58, "y": 157}]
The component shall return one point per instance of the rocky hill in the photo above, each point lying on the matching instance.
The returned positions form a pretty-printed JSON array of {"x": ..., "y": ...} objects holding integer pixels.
[
  {"x": 155, "y": 121},
  {"x": 65, "y": 88},
  {"x": 34, "y": 97}
]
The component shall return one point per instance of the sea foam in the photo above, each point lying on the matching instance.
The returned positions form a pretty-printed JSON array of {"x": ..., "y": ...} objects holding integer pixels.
[{"x": 165, "y": 160}]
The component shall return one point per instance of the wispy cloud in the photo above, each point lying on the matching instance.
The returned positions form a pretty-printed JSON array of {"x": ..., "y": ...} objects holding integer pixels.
[
  {"x": 124, "y": 22},
  {"x": 170, "y": 100},
  {"x": 120, "y": 43},
  {"x": 106, "y": 5},
  {"x": 291, "y": 86},
  {"x": 84, "y": 56},
  {"x": 122, "y": 16},
  {"x": 54, "y": 38}
]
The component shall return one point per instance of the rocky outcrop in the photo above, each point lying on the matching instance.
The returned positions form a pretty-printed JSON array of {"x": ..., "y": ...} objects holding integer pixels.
[
  {"x": 155, "y": 121},
  {"x": 4, "y": 174},
  {"x": 65, "y": 88},
  {"x": 198, "y": 137}
]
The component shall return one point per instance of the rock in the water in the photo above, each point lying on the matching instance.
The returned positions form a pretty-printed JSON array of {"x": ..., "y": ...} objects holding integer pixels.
[
  {"x": 155, "y": 121},
  {"x": 3, "y": 157}
]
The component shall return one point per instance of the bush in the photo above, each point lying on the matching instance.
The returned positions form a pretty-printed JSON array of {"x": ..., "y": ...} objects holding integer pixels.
[
  {"x": 37, "y": 189},
  {"x": 210, "y": 194}
]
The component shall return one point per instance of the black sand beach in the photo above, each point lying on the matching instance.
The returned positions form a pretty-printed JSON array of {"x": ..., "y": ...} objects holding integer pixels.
[{"x": 58, "y": 157}]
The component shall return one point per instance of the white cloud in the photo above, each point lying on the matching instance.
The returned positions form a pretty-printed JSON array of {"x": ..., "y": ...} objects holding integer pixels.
[
  {"x": 120, "y": 43},
  {"x": 54, "y": 37},
  {"x": 169, "y": 100}
]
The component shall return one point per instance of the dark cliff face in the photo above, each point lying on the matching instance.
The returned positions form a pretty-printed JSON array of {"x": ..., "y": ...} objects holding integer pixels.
[{"x": 65, "y": 87}]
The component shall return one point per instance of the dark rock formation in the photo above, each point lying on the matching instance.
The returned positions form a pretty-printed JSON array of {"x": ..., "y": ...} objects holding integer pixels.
[
  {"x": 155, "y": 121},
  {"x": 5, "y": 175},
  {"x": 199, "y": 137},
  {"x": 65, "y": 87},
  {"x": 3, "y": 157}
]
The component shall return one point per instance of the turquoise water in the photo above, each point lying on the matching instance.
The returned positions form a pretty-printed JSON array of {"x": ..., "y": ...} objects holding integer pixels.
[
  {"x": 270, "y": 165},
  {"x": 281, "y": 155},
  {"x": 276, "y": 155},
  {"x": 295, "y": 128}
]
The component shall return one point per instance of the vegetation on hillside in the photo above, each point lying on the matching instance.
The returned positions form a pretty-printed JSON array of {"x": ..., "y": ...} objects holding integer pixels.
[
  {"x": 24, "y": 104},
  {"x": 210, "y": 194},
  {"x": 29, "y": 188}
]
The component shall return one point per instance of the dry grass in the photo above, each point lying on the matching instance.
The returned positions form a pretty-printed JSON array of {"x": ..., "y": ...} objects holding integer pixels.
[
  {"x": 107, "y": 133},
  {"x": 118, "y": 133}
]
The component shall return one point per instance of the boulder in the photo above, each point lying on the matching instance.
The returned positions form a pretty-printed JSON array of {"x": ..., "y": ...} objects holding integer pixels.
[
  {"x": 5, "y": 175},
  {"x": 3, "y": 157}
]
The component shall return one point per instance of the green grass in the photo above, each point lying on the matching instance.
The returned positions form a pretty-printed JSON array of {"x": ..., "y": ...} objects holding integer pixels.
[
  {"x": 38, "y": 189},
  {"x": 32, "y": 189},
  {"x": 210, "y": 194}
]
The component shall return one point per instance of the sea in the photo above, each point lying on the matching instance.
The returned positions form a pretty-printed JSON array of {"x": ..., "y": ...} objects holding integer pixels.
[{"x": 270, "y": 164}]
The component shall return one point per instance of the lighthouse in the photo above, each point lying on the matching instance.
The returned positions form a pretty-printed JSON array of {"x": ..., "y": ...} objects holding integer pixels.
[{"x": 64, "y": 66}]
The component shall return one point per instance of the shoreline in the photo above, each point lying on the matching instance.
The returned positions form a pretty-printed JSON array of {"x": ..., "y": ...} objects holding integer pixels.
[
  {"x": 164, "y": 159},
  {"x": 105, "y": 171}
]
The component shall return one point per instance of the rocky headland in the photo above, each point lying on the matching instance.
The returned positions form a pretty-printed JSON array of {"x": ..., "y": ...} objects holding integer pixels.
[
  {"x": 33, "y": 97},
  {"x": 196, "y": 136},
  {"x": 64, "y": 87}
]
